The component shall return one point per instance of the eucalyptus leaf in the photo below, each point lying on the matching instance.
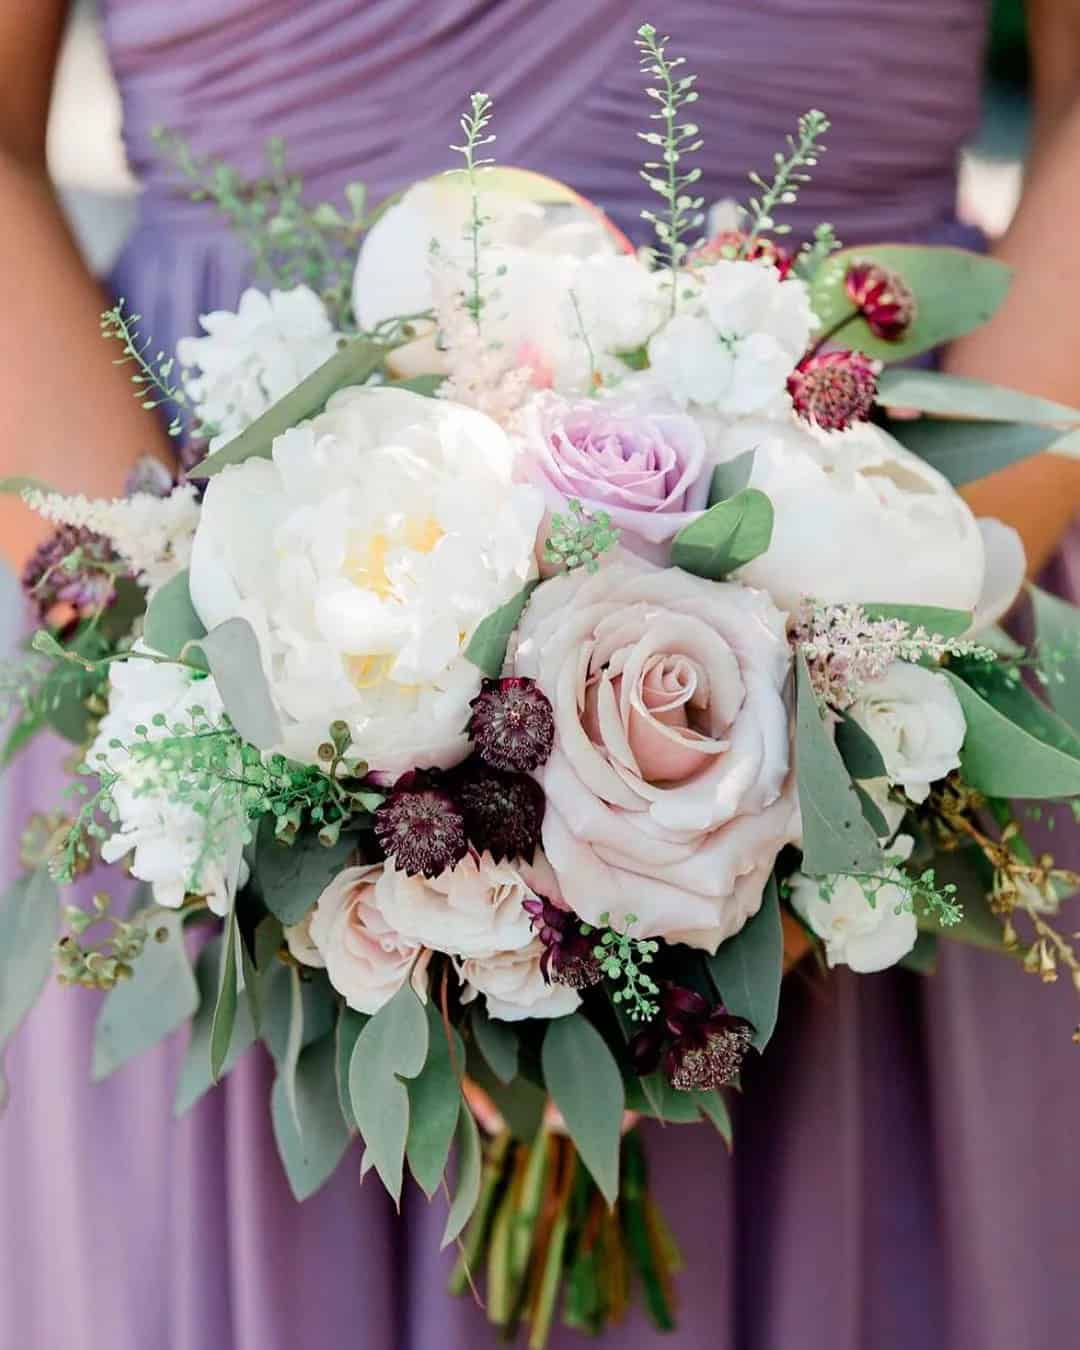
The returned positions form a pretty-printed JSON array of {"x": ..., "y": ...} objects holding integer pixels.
[
  {"x": 232, "y": 653},
  {"x": 487, "y": 646},
  {"x": 1001, "y": 759},
  {"x": 194, "y": 1081},
  {"x": 29, "y": 911},
  {"x": 171, "y": 622},
  {"x": 392, "y": 1047},
  {"x": 293, "y": 1043},
  {"x": 715, "y": 1108},
  {"x": 943, "y": 622},
  {"x": 428, "y": 385},
  {"x": 872, "y": 813},
  {"x": 956, "y": 292},
  {"x": 319, "y": 1013},
  {"x": 731, "y": 477},
  {"x": 1013, "y": 699},
  {"x": 497, "y": 1042},
  {"x": 520, "y": 1103},
  {"x": 226, "y": 1003},
  {"x": 469, "y": 1169},
  {"x": 291, "y": 877},
  {"x": 728, "y": 535},
  {"x": 353, "y": 364},
  {"x": 350, "y": 1024},
  {"x": 653, "y": 1095},
  {"x": 836, "y": 836},
  {"x": 584, "y": 1082},
  {"x": 966, "y": 451},
  {"x": 311, "y": 1136},
  {"x": 860, "y": 754},
  {"x": 1057, "y": 625},
  {"x": 160, "y": 996},
  {"x": 934, "y": 391},
  {"x": 434, "y": 1102},
  {"x": 747, "y": 968}
]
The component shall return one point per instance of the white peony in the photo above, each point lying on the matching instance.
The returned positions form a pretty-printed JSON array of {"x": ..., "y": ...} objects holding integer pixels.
[
  {"x": 472, "y": 910},
  {"x": 735, "y": 340},
  {"x": 365, "y": 554},
  {"x": 856, "y": 933},
  {"x": 176, "y": 847},
  {"x": 858, "y": 518},
  {"x": 560, "y": 295},
  {"x": 514, "y": 987},
  {"x": 366, "y": 961},
  {"x": 914, "y": 718},
  {"x": 251, "y": 359}
]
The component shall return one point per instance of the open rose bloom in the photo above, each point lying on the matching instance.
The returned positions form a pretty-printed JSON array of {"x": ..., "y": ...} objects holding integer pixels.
[{"x": 547, "y": 628}]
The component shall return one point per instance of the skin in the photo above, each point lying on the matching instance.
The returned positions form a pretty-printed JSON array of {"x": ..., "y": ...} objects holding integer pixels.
[{"x": 52, "y": 360}]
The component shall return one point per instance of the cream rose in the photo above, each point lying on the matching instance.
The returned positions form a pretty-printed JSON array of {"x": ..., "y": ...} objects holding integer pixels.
[
  {"x": 364, "y": 554},
  {"x": 514, "y": 987},
  {"x": 669, "y": 792},
  {"x": 914, "y": 718},
  {"x": 366, "y": 961}
]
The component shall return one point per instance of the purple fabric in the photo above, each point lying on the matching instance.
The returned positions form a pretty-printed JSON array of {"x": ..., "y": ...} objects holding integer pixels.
[{"x": 905, "y": 1173}]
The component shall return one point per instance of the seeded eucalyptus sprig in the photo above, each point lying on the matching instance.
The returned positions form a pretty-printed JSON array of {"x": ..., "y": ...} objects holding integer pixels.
[
  {"x": 621, "y": 957},
  {"x": 473, "y": 125},
  {"x": 787, "y": 179},
  {"x": 683, "y": 210},
  {"x": 578, "y": 538}
]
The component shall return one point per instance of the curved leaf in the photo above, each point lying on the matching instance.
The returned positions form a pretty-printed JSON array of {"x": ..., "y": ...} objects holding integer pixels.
[
  {"x": 487, "y": 646},
  {"x": 747, "y": 968},
  {"x": 232, "y": 653},
  {"x": 944, "y": 622},
  {"x": 728, "y": 535},
  {"x": 310, "y": 1133},
  {"x": 291, "y": 877},
  {"x": 171, "y": 622},
  {"x": 434, "y": 1102},
  {"x": 29, "y": 910},
  {"x": 934, "y": 391},
  {"x": 1057, "y": 624},
  {"x": 226, "y": 1003},
  {"x": 469, "y": 1169},
  {"x": 966, "y": 451},
  {"x": 195, "y": 1081},
  {"x": 497, "y": 1042},
  {"x": 584, "y": 1082}
]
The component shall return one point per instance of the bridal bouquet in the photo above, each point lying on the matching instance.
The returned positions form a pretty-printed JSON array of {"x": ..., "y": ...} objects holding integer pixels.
[{"x": 543, "y": 638}]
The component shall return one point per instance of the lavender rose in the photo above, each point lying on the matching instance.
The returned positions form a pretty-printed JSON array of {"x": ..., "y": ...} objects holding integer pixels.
[
  {"x": 669, "y": 787},
  {"x": 644, "y": 464}
]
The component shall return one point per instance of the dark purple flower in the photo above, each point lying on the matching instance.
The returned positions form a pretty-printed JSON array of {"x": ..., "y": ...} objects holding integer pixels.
[
  {"x": 700, "y": 1046},
  {"x": 73, "y": 567},
  {"x": 421, "y": 827},
  {"x": 503, "y": 811},
  {"x": 568, "y": 956},
  {"x": 834, "y": 389},
  {"x": 512, "y": 724},
  {"x": 882, "y": 298}
]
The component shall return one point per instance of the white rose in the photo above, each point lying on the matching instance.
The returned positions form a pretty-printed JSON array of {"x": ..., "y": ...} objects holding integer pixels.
[
  {"x": 167, "y": 835},
  {"x": 472, "y": 910},
  {"x": 514, "y": 987},
  {"x": 561, "y": 294},
  {"x": 857, "y": 518},
  {"x": 251, "y": 359},
  {"x": 914, "y": 718},
  {"x": 735, "y": 341},
  {"x": 365, "y": 554},
  {"x": 366, "y": 961},
  {"x": 856, "y": 933}
]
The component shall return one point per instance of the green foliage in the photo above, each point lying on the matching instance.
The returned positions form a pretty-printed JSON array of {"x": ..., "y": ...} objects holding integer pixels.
[
  {"x": 621, "y": 957},
  {"x": 1057, "y": 625},
  {"x": 28, "y": 917},
  {"x": 836, "y": 836},
  {"x": 195, "y": 1080},
  {"x": 860, "y": 754},
  {"x": 497, "y": 1041},
  {"x": 487, "y": 646},
  {"x": 350, "y": 1024},
  {"x": 434, "y": 1103},
  {"x": 787, "y": 179},
  {"x": 473, "y": 125},
  {"x": 731, "y": 477},
  {"x": 747, "y": 968},
  {"x": 579, "y": 538},
  {"x": 226, "y": 1001},
  {"x": 1000, "y": 758},
  {"x": 956, "y": 292},
  {"x": 923, "y": 895},
  {"x": 232, "y": 653},
  {"x": 933, "y": 391},
  {"x": 1002, "y": 686},
  {"x": 310, "y": 1132},
  {"x": 153, "y": 375},
  {"x": 584, "y": 1082},
  {"x": 391, "y": 1048},
  {"x": 967, "y": 451},
  {"x": 290, "y": 876},
  {"x": 946, "y": 623},
  {"x": 171, "y": 623},
  {"x": 682, "y": 211},
  {"x": 469, "y": 1170},
  {"x": 812, "y": 254},
  {"x": 160, "y": 996},
  {"x": 104, "y": 962},
  {"x": 729, "y": 535}
]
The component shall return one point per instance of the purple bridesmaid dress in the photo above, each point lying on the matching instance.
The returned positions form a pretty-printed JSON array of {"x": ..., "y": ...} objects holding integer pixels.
[{"x": 905, "y": 1172}]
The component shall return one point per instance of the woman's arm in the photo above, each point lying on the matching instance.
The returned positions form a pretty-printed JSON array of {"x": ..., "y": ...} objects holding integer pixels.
[
  {"x": 67, "y": 414},
  {"x": 1033, "y": 342}
]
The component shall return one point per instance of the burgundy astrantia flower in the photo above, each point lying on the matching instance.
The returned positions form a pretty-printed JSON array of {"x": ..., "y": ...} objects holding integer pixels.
[
  {"x": 834, "y": 389},
  {"x": 503, "y": 812},
  {"x": 512, "y": 724},
  {"x": 727, "y": 245},
  {"x": 569, "y": 956},
  {"x": 420, "y": 826},
  {"x": 700, "y": 1046},
  {"x": 75, "y": 567},
  {"x": 882, "y": 298}
]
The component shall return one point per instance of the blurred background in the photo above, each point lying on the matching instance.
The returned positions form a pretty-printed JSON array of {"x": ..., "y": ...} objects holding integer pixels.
[{"x": 87, "y": 159}]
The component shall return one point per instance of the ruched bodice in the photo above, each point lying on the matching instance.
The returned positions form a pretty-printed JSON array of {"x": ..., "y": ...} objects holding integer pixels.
[{"x": 373, "y": 88}]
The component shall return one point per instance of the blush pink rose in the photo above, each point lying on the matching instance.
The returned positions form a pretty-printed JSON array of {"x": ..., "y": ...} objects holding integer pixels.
[
  {"x": 669, "y": 788},
  {"x": 642, "y": 463}
]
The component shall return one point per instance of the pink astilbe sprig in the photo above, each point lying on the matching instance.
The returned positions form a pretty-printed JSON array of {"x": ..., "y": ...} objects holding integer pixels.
[
  {"x": 845, "y": 648},
  {"x": 480, "y": 375}
]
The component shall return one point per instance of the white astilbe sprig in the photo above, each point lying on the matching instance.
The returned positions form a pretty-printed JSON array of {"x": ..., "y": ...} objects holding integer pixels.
[
  {"x": 152, "y": 534},
  {"x": 845, "y": 648},
  {"x": 481, "y": 374}
]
